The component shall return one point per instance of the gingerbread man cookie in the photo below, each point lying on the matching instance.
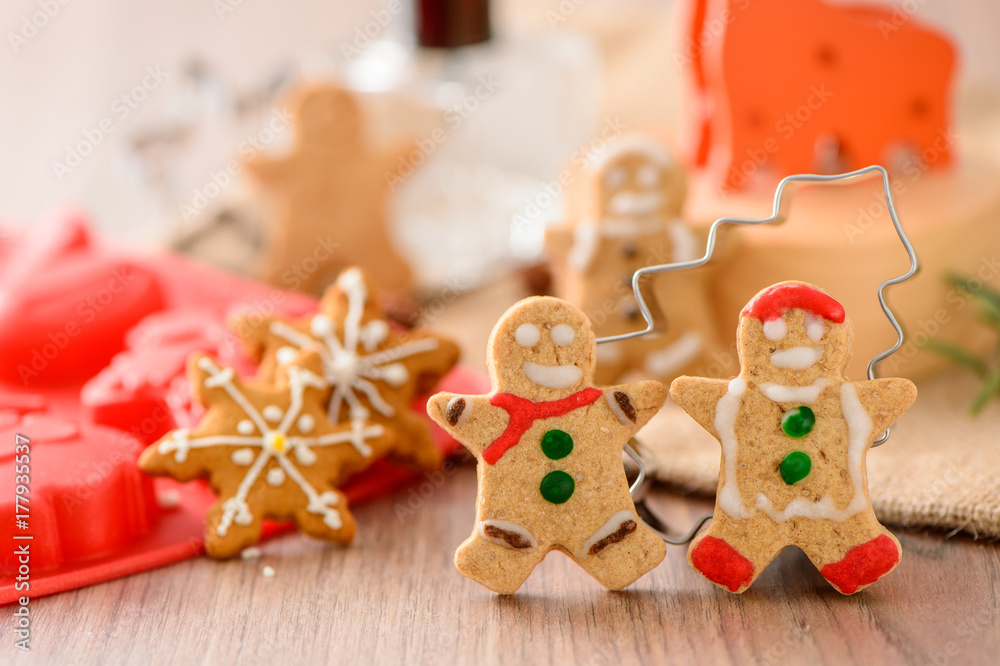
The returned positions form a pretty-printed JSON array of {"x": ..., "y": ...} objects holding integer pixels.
[
  {"x": 269, "y": 452},
  {"x": 332, "y": 196},
  {"x": 630, "y": 219},
  {"x": 549, "y": 446},
  {"x": 795, "y": 434},
  {"x": 375, "y": 371}
]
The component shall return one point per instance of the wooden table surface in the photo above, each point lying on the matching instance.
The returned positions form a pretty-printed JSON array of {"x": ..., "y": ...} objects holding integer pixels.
[{"x": 395, "y": 597}]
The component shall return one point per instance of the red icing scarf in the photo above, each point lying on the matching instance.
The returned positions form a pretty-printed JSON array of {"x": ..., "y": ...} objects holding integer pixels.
[{"x": 523, "y": 413}]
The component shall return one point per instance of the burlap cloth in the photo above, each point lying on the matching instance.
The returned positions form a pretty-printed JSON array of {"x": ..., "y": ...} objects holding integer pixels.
[{"x": 939, "y": 469}]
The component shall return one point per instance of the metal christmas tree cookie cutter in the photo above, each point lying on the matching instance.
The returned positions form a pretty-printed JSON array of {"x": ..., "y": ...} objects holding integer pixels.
[{"x": 655, "y": 321}]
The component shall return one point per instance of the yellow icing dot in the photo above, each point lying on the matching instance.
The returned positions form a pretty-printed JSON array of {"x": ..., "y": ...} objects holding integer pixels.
[{"x": 275, "y": 441}]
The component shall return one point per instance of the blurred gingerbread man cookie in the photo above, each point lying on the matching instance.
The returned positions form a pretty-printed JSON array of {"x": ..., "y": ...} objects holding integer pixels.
[
  {"x": 549, "y": 446},
  {"x": 269, "y": 451},
  {"x": 375, "y": 371},
  {"x": 795, "y": 434},
  {"x": 629, "y": 218},
  {"x": 332, "y": 196}
]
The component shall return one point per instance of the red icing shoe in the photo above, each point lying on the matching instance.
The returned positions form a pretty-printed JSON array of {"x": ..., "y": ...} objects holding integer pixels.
[
  {"x": 863, "y": 565},
  {"x": 722, "y": 564}
]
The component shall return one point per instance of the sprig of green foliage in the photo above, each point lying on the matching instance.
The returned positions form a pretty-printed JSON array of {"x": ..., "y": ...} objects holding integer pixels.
[{"x": 988, "y": 368}]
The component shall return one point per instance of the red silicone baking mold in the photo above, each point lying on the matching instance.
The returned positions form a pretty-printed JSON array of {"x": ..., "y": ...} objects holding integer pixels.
[{"x": 94, "y": 343}]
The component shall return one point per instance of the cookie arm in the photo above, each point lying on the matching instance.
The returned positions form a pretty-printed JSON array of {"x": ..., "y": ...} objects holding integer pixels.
[
  {"x": 699, "y": 397},
  {"x": 636, "y": 403},
  {"x": 472, "y": 420},
  {"x": 885, "y": 400}
]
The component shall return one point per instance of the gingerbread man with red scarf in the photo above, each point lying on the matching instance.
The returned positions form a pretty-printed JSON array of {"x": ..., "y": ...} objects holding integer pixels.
[
  {"x": 549, "y": 448},
  {"x": 794, "y": 435}
]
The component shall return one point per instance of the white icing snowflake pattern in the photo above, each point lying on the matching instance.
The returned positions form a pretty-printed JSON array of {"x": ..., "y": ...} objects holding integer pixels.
[
  {"x": 350, "y": 363},
  {"x": 272, "y": 442}
]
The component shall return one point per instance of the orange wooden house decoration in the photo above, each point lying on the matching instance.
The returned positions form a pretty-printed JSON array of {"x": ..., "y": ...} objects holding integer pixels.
[{"x": 800, "y": 86}]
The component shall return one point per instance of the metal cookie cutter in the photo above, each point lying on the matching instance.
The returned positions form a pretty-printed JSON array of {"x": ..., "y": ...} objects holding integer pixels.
[{"x": 655, "y": 320}]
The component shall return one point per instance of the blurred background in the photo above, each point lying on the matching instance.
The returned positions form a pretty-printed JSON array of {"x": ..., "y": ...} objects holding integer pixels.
[{"x": 126, "y": 109}]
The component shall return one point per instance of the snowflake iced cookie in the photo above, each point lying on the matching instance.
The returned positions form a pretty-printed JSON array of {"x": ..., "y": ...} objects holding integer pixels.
[
  {"x": 549, "y": 446},
  {"x": 269, "y": 451},
  {"x": 794, "y": 435},
  {"x": 629, "y": 218},
  {"x": 375, "y": 371}
]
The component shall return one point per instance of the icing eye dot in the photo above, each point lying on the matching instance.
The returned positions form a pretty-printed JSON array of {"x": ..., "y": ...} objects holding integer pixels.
[
  {"x": 321, "y": 325},
  {"x": 615, "y": 177},
  {"x": 245, "y": 427},
  {"x": 563, "y": 334},
  {"x": 306, "y": 424},
  {"x": 775, "y": 329},
  {"x": 815, "y": 327},
  {"x": 649, "y": 176},
  {"x": 527, "y": 335},
  {"x": 285, "y": 355},
  {"x": 272, "y": 413}
]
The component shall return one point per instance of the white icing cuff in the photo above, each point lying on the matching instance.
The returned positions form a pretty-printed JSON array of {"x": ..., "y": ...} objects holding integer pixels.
[
  {"x": 523, "y": 541},
  {"x": 616, "y": 409},
  {"x": 609, "y": 528}
]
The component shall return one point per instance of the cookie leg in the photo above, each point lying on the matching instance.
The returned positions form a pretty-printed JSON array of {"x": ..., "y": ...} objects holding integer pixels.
[
  {"x": 730, "y": 554},
  {"x": 864, "y": 563},
  {"x": 621, "y": 551},
  {"x": 499, "y": 555}
]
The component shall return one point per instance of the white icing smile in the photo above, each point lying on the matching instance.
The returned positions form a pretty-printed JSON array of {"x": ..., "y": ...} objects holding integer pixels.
[
  {"x": 796, "y": 358},
  {"x": 634, "y": 203},
  {"x": 806, "y": 394},
  {"x": 552, "y": 376}
]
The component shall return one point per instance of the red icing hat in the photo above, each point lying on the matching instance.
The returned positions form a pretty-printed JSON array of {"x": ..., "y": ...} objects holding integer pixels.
[{"x": 771, "y": 303}]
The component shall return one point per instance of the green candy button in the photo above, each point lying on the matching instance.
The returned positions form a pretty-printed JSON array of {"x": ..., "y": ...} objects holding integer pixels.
[
  {"x": 795, "y": 467},
  {"x": 798, "y": 422},
  {"x": 557, "y": 486},
  {"x": 557, "y": 444}
]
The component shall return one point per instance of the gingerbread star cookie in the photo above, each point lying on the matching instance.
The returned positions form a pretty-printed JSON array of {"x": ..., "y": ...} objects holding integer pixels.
[
  {"x": 795, "y": 434},
  {"x": 629, "y": 217},
  {"x": 549, "y": 450},
  {"x": 269, "y": 451},
  {"x": 332, "y": 198},
  {"x": 375, "y": 371}
]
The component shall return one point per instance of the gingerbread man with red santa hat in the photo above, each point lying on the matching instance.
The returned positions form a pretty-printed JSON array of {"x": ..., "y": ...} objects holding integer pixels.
[{"x": 795, "y": 434}]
